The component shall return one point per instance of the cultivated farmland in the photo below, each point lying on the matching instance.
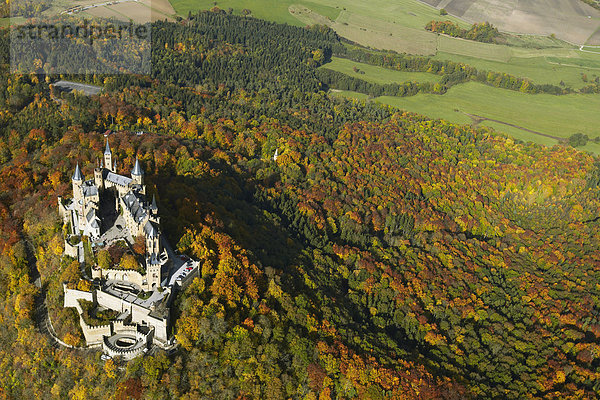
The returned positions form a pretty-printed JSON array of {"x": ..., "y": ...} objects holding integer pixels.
[
  {"x": 139, "y": 11},
  {"x": 570, "y": 20}
]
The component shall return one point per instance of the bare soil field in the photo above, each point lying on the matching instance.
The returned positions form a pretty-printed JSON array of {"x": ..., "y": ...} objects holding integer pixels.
[
  {"x": 594, "y": 40},
  {"x": 570, "y": 20},
  {"x": 103, "y": 12},
  {"x": 134, "y": 11},
  {"x": 161, "y": 9},
  {"x": 432, "y": 3},
  {"x": 139, "y": 11}
]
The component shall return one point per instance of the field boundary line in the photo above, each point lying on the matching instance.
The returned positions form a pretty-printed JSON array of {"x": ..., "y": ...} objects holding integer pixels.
[
  {"x": 572, "y": 65},
  {"x": 480, "y": 118}
]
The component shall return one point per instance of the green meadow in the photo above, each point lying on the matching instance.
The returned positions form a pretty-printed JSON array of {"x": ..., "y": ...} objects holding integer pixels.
[
  {"x": 540, "y": 70},
  {"x": 374, "y": 74},
  {"x": 4, "y": 22},
  {"x": 559, "y": 116}
]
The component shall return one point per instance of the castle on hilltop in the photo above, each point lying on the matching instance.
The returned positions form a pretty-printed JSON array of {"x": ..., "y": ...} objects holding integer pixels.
[
  {"x": 129, "y": 194},
  {"x": 111, "y": 212}
]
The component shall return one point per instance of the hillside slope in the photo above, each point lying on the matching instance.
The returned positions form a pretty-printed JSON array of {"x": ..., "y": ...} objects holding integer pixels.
[{"x": 382, "y": 255}]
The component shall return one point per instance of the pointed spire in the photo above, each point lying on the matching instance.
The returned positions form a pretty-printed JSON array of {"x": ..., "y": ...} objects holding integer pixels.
[
  {"x": 154, "y": 206},
  {"x": 77, "y": 176},
  {"x": 137, "y": 169},
  {"x": 107, "y": 150}
]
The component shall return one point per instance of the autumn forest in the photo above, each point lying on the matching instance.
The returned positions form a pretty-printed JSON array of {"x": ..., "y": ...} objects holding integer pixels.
[{"x": 382, "y": 255}]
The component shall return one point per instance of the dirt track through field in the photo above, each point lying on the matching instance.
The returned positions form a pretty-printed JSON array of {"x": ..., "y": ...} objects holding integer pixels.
[{"x": 477, "y": 119}]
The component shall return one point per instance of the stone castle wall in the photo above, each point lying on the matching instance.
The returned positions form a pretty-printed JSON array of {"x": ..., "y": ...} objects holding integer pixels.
[
  {"x": 139, "y": 314},
  {"x": 94, "y": 334},
  {"x": 72, "y": 297},
  {"x": 71, "y": 251},
  {"x": 125, "y": 275}
]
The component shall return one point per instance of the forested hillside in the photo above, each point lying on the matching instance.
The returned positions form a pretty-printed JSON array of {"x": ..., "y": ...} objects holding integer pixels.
[{"x": 382, "y": 255}]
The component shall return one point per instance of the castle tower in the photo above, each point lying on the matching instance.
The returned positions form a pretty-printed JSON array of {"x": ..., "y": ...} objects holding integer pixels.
[
  {"x": 153, "y": 271},
  {"x": 152, "y": 240},
  {"x": 137, "y": 174},
  {"x": 98, "y": 180},
  {"x": 77, "y": 181},
  {"x": 153, "y": 267},
  {"x": 108, "y": 157}
]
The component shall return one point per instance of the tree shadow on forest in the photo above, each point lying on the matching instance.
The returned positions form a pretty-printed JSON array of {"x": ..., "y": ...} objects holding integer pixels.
[
  {"x": 230, "y": 197},
  {"x": 269, "y": 236}
]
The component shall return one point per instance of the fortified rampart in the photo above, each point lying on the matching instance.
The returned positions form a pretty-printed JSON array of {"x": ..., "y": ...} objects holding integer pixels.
[
  {"x": 139, "y": 314},
  {"x": 71, "y": 250},
  {"x": 128, "y": 275}
]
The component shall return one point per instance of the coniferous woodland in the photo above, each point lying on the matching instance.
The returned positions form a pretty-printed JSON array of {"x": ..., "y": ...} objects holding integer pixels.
[{"x": 381, "y": 255}]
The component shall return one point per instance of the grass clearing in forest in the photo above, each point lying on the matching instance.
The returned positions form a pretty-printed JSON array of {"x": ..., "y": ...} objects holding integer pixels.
[
  {"x": 559, "y": 116},
  {"x": 540, "y": 70},
  {"x": 380, "y": 75}
]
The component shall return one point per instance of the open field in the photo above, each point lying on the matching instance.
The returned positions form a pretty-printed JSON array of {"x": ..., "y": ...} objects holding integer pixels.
[
  {"x": 159, "y": 7},
  {"x": 379, "y": 75},
  {"x": 539, "y": 69},
  {"x": 133, "y": 11},
  {"x": 567, "y": 19},
  {"x": 374, "y": 33},
  {"x": 409, "y": 13},
  {"x": 559, "y": 116},
  {"x": 571, "y": 20},
  {"x": 485, "y": 51},
  {"x": 137, "y": 10},
  {"x": 591, "y": 49},
  {"x": 272, "y": 10}
]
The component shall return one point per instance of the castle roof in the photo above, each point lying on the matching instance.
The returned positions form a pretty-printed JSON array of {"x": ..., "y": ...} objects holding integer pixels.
[
  {"x": 93, "y": 219},
  {"x": 134, "y": 206},
  {"x": 118, "y": 179},
  {"x": 89, "y": 189},
  {"x": 77, "y": 176},
  {"x": 150, "y": 229},
  {"x": 107, "y": 150},
  {"x": 153, "y": 260},
  {"x": 137, "y": 169},
  {"x": 154, "y": 206}
]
